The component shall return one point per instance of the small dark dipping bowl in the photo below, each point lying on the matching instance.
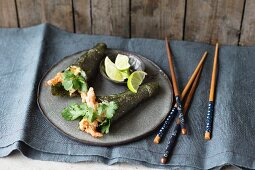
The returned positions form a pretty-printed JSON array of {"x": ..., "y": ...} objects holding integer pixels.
[{"x": 134, "y": 60}]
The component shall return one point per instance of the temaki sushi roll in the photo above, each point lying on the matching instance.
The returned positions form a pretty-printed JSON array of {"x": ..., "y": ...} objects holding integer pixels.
[
  {"x": 129, "y": 100},
  {"x": 97, "y": 114},
  {"x": 74, "y": 79}
]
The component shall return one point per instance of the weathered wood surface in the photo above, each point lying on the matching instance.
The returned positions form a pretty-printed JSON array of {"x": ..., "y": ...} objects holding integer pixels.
[
  {"x": 226, "y": 21},
  {"x": 213, "y": 20},
  {"x": 82, "y": 17},
  {"x": 57, "y": 12},
  {"x": 157, "y": 19},
  {"x": 29, "y": 12},
  {"x": 248, "y": 25},
  {"x": 8, "y": 15},
  {"x": 110, "y": 17}
]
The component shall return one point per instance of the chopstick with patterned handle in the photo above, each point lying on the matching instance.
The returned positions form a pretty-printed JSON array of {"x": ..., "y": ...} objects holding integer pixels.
[
  {"x": 173, "y": 111},
  {"x": 175, "y": 87},
  {"x": 177, "y": 129},
  {"x": 209, "y": 116}
]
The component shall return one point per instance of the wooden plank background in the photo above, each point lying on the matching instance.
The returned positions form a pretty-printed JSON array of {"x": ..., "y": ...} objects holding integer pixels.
[{"x": 226, "y": 21}]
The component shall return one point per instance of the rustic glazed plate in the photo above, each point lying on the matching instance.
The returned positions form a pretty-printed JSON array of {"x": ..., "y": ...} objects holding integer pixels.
[{"x": 136, "y": 124}]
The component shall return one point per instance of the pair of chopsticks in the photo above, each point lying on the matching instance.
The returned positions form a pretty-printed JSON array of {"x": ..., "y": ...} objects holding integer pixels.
[
  {"x": 175, "y": 134},
  {"x": 173, "y": 111}
]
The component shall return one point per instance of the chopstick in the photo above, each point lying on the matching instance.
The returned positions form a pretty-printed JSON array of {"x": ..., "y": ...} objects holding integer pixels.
[
  {"x": 175, "y": 87},
  {"x": 177, "y": 129},
  {"x": 173, "y": 111},
  {"x": 209, "y": 116}
]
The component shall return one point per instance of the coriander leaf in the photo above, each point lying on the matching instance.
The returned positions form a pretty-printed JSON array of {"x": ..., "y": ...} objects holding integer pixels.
[
  {"x": 101, "y": 108},
  {"x": 104, "y": 127},
  {"x": 92, "y": 117},
  {"x": 90, "y": 114},
  {"x": 81, "y": 79},
  {"x": 72, "y": 112},
  {"x": 110, "y": 110},
  {"x": 83, "y": 107},
  {"x": 84, "y": 87},
  {"x": 109, "y": 113},
  {"x": 68, "y": 84},
  {"x": 66, "y": 114},
  {"x": 67, "y": 75},
  {"x": 76, "y": 84}
]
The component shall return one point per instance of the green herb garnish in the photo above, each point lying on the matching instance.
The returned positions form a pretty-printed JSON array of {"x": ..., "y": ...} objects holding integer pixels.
[
  {"x": 73, "y": 112},
  {"x": 74, "y": 82},
  {"x": 108, "y": 108},
  {"x": 104, "y": 127},
  {"x": 105, "y": 111}
]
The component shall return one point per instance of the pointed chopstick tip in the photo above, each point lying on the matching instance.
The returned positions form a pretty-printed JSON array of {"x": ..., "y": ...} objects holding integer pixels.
[
  {"x": 217, "y": 45},
  {"x": 184, "y": 131},
  {"x": 207, "y": 135},
  {"x": 163, "y": 160},
  {"x": 156, "y": 139}
]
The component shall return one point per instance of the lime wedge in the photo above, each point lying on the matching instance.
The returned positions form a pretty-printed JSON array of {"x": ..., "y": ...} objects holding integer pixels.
[
  {"x": 125, "y": 73},
  {"x": 111, "y": 71},
  {"x": 135, "y": 80},
  {"x": 121, "y": 62}
]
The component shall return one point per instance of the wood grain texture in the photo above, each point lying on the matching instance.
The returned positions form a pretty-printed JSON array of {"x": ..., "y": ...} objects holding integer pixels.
[
  {"x": 82, "y": 17},
  {"x": 110, "y": 17},
  {"x": 248, "y": 25},
  {"x": 29, "y": 12},
  {"x": 8, "y": 15},
  {"x": 157, "y": 18},
  {"x": 213, "y": 20},
  {"x": 204, "y": 20},
  {"x": 57, "y": 12}
]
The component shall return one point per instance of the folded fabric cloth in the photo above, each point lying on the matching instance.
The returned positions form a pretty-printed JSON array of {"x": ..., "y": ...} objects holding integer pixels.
[{"x": 26, "y": 54}]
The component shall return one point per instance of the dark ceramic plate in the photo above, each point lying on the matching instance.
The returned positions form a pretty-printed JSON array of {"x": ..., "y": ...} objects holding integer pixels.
[{"x": 136, "y": 124}]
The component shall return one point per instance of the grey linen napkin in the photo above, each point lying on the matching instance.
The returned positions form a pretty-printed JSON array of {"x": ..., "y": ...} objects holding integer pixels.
[{"x": 26, "y": 54}]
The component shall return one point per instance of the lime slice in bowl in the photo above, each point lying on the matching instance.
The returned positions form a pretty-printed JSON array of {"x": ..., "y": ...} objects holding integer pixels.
[
  {"x": 111, "y": 71},
  {"x": 135, "y": 80},
  {"x": 125, "y": 73},
  {"x": 121, "y": 62}
]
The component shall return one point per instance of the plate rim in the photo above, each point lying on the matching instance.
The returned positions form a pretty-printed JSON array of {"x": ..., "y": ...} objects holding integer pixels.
[{"x": 99, "y": 143}]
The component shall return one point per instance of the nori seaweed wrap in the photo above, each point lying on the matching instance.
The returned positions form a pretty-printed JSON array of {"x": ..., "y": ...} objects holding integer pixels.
[
  {"x": 75, "y": 78},
  {"x": 127, "y": 100}
]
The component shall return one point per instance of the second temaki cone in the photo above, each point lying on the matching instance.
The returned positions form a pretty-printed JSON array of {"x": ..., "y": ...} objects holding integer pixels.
[{"x": 127, "y": 100}]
